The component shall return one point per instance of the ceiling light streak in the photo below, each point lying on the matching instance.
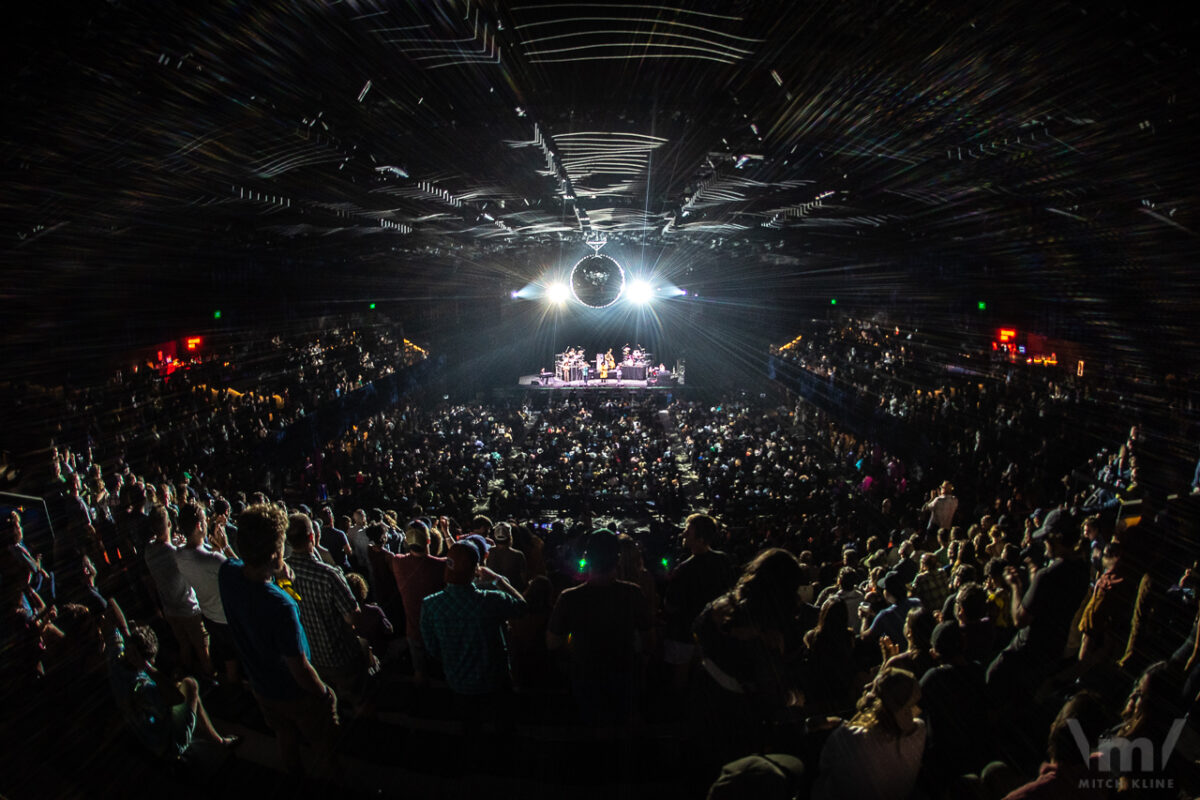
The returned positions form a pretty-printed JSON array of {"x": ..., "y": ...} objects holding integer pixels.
[
  {"x": 642, "y": 6},
  {"x": 639, "y": 57},
  {"x": 635, "y": 31},
  {"x": 631, "y": 45},
  {"x": 647, "y": 21}
]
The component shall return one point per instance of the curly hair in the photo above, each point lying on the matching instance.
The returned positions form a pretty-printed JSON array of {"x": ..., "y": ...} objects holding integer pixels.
[{"x": 892, "y": 691}]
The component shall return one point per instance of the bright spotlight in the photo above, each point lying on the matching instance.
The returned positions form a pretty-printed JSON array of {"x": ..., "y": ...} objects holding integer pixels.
[
  {"x": 514, "y": 294},
  {"x": 558, "y": 293},
  {"x": 640, "y": 292}
]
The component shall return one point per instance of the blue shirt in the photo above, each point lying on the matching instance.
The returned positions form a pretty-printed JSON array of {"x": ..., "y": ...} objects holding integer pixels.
[
  {"x": 463, "y": 627},
  {"x": 265, "y": 623},
  {"x": 890, "y": 622}
]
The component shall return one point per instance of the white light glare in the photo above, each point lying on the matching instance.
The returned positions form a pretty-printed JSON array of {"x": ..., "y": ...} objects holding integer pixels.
[
  {"x": 558, "y": 293},
  {"x": 640, "y": 292}
]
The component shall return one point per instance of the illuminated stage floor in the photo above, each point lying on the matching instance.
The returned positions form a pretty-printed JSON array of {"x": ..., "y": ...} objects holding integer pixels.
[{"x": 537, "y": 382}]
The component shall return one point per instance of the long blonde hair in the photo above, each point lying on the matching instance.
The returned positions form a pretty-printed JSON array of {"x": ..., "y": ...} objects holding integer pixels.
[{"x": 892, "y": 691}]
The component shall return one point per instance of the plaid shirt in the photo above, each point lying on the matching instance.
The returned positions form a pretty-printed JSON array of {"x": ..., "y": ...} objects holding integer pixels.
[
  {"x": 931, "y": 588},
  {"x": 325, "y": 598},
  {"x": 464, "y": 628}
]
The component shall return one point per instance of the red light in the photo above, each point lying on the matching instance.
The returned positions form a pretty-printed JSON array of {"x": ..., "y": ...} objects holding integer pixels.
[
  {"x": 193, "y": 342},
  {"x": 1007, "y": 334}
]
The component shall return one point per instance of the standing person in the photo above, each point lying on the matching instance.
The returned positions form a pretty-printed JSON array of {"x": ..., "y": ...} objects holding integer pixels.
[
  {"x": 199, "y": 564},
  {"x": 334, "y": 540},
  {"x": 942, "y": 506},
  {"x": 360, "y": 559},
  {"x": 700, "y": 579},
  {"x": 463, "y": 627},
  {"x": 265, "y": 622},
  {"x": 480, "y": 525},
  {"x": 328, "y": 611},
  {"x": 386, "y": 594},
  {"x": 1044, "y": 614},
  {"x": 177, "y": 596},
  {"x": 608, "y": 623},
  {"x": 506, "y": 559},
  {"x": 417, "y": 575}
]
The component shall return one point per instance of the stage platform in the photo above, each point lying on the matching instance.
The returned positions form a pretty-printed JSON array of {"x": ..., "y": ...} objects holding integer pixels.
[{"x": 551, "y": 383}]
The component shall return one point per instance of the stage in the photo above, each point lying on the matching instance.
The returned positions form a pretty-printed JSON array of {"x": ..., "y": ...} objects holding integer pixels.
[{"x": 549, "y": 381}]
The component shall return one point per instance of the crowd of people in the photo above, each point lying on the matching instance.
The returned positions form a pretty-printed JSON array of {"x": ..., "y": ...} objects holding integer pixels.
[{"x": 817, "y": 612}]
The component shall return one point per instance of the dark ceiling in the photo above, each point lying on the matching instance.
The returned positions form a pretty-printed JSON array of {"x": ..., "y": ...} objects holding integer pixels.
[{"x": 932, "y": 152}]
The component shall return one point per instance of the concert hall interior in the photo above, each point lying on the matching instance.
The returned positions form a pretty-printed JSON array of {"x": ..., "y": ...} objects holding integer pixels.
[{"x": 899, "y": 297}]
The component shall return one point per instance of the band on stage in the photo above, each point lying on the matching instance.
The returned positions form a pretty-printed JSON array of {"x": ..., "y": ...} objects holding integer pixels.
[{"x": 634, "y": 364}]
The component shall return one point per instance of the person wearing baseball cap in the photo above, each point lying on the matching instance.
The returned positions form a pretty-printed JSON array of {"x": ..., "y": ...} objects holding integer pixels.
[
  {"x": 463, "y": 626},
  {"x": 506, "y": 559},
  {"x": 417, "y": 575}
]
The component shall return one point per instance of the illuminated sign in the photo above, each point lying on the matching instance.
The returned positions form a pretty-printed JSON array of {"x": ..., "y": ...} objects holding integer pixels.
[{"x": 193, "y": 342}]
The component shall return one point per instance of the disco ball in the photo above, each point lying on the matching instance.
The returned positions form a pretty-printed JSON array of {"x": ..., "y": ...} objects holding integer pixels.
[{"x": 597, "y": 281}]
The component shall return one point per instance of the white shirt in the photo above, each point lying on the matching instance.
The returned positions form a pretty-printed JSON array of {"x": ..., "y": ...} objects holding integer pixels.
[
  {"x": 178, "y": 599},
  {"x": 942, "y": 509},
  {"x": 199, "y": 568}
]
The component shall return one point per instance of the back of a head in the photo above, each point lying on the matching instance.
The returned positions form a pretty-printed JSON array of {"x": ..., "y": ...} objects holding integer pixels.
[
  {"x": 769, "y": 586},
  {"x": 1087, "y": 712},
  {"x": 261, "y": 529},
  {"x": 602, "y": 552},
  {"x": 847, "y": 577},
  {"x": 894, "y": 585},
  {"x": 376, "y": 533},
  {"x": 416, "y": 535},
  {"x": 775, "y": 776},
  {"x": 834, "y": 619},
  {"x": 892, "y": 691},
  {"x": 461, "y": 562},
  {"x": 189, "y": 517},
  {"x": 299, "y": 529},
  {"x": 704, "y": 527},
  {"x": 948, "y": 641},
  {"x": 971, "y": 602},
  {"x": 135, "y": 496},
  {"x": 920, "y": 625}
]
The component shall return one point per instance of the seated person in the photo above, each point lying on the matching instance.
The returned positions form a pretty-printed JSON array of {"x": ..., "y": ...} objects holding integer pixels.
[{"x": 162, "y": 717}]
